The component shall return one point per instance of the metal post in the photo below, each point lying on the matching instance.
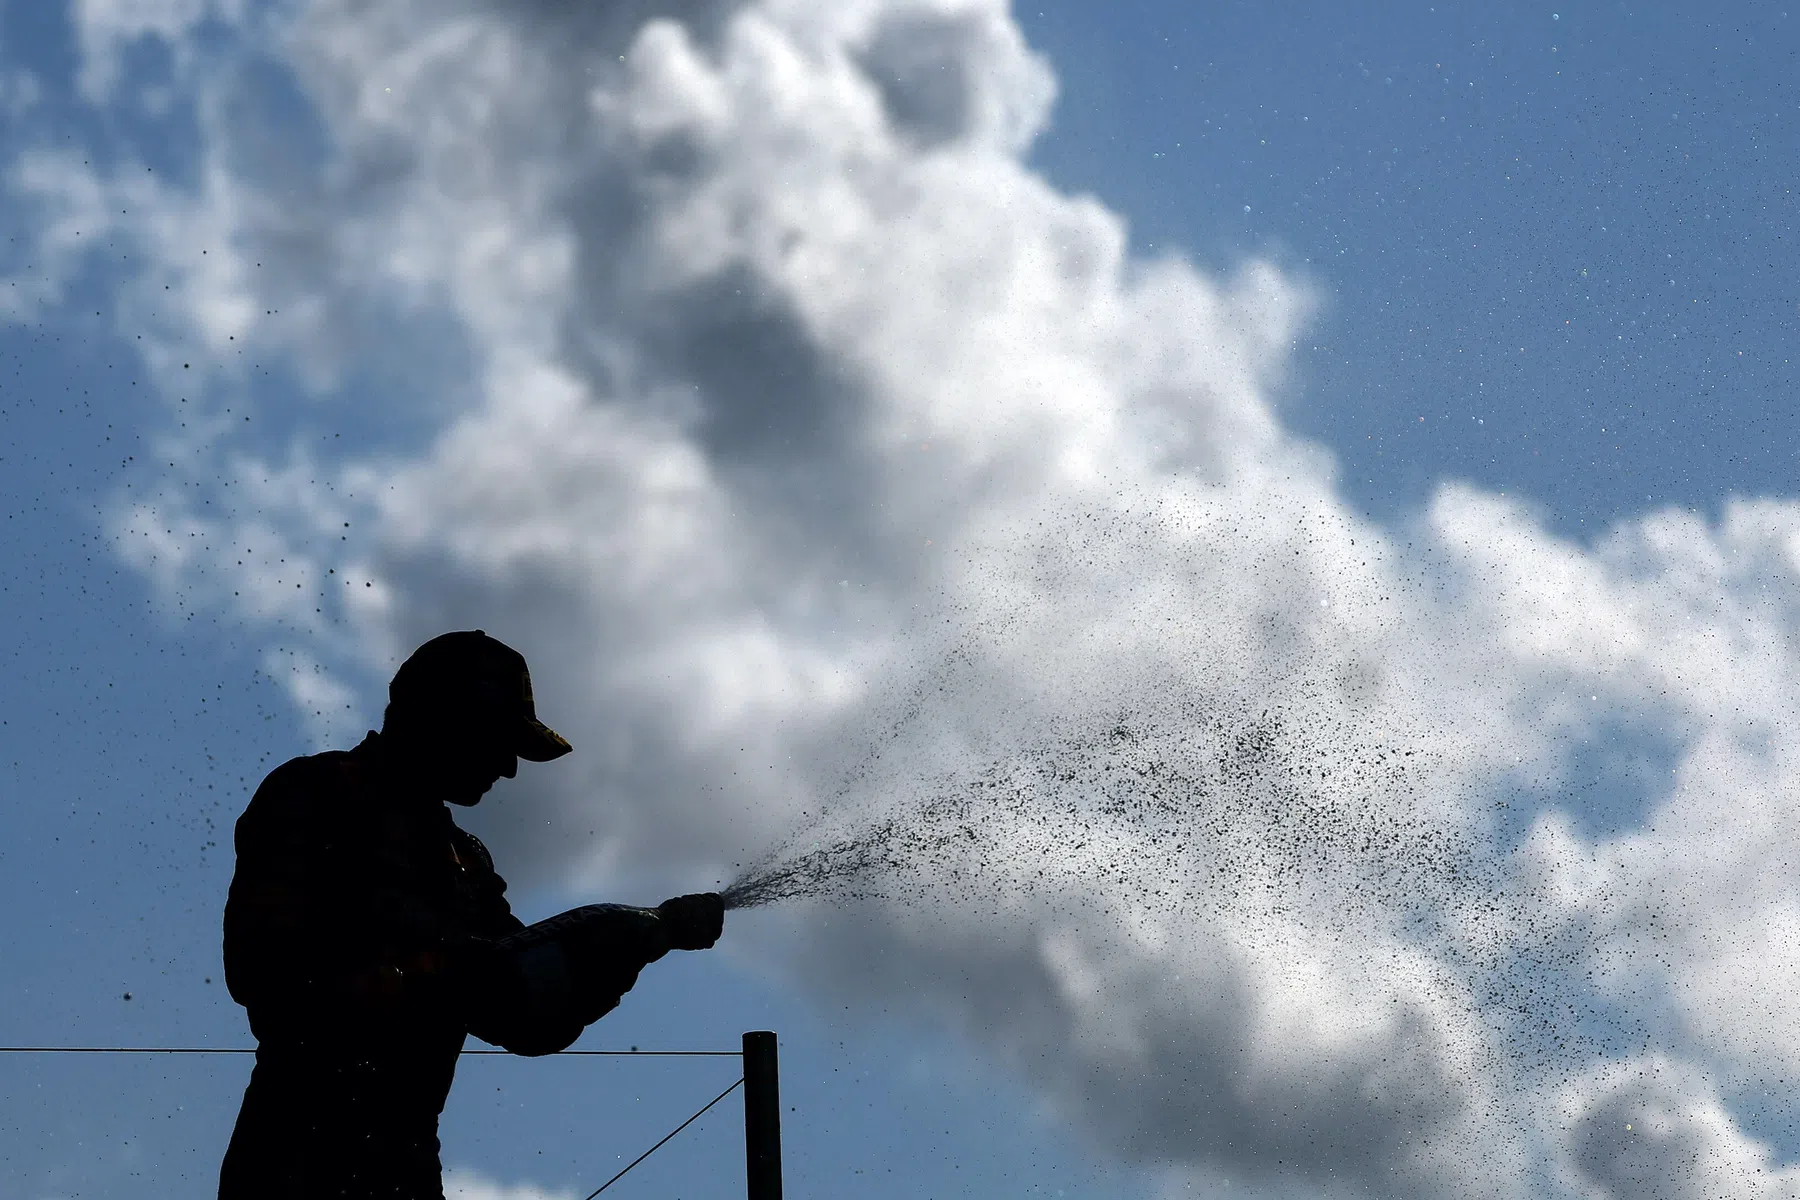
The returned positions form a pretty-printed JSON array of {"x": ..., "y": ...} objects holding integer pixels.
[{"x": 762, "y": 1116}]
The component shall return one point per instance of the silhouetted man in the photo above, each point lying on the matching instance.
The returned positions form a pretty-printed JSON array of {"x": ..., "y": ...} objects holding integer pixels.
[{"x": 367, "y": 935}]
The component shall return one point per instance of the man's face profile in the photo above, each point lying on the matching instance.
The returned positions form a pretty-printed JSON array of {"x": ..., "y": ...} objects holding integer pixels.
[
  {"x": 464, "y": 755},
  {"x": 488, "y": 761}
]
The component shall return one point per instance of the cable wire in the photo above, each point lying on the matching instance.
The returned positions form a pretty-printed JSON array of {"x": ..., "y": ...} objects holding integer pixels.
[
  {"x": 591, "y": 1053},
  {"x": 125, "y": 1050},
  {"x": 251, "y": 1050},
  {"x": 652, "y": 1150}
]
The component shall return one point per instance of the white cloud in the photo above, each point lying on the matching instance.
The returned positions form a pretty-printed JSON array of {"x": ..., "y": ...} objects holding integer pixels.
[
  {"x": 105, "y": 29},
  {"x": 1654, "y": 1129},
  {"x": 464, "y": 1184},
  {"x": 792, "y": 426}
]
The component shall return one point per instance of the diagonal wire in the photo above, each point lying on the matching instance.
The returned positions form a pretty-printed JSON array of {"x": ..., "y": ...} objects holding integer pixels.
[{"x": 652, "y": 1150}]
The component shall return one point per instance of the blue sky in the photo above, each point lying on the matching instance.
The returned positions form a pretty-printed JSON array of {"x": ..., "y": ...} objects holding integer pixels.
[
  {"x": 1542, "y": 254},
  {"x": 1570, "y": 223}
]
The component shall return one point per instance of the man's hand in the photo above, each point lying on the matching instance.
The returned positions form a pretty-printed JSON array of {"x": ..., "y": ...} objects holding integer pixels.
[{"x": 693, "y": 922}]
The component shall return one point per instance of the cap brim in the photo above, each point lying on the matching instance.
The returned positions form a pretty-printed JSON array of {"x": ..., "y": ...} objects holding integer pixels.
[{"x": 540, "y": 743}]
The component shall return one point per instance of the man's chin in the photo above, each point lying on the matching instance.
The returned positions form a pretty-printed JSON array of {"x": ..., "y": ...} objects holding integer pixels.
[{"x": 467, "y": 797}]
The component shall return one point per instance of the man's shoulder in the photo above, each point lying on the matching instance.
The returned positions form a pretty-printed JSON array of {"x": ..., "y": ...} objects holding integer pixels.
[
  {"x": 312, "y": 786},
  {"x": 311, "y": 773}
]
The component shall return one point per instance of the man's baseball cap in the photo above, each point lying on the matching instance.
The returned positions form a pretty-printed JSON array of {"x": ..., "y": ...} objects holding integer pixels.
[{"x": 470, "y": 673}]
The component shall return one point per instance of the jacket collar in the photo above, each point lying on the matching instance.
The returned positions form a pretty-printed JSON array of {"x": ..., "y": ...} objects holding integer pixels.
[{"x": 391, "y": 780}]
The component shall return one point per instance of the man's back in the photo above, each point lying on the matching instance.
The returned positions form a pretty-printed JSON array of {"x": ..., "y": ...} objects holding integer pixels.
[{"x": 351, "y": 895}]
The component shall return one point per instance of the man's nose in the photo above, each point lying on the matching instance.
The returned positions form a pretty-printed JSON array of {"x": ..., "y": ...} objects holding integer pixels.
[{"x": 512, "y": 768}]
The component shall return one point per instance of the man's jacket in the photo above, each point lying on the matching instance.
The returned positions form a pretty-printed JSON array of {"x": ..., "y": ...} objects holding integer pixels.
[{"x": 355, "y": 910}]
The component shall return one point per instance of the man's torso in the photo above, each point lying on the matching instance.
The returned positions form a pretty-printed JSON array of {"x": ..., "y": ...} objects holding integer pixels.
[{"x": 351, "y": 899}]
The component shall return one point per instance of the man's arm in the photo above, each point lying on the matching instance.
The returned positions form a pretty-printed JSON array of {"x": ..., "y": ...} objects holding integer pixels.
[{"x": 553, "y": 979}]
